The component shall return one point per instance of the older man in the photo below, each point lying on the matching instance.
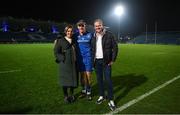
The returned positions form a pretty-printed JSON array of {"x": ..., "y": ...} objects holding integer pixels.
[{"x": 104, "y": 52}]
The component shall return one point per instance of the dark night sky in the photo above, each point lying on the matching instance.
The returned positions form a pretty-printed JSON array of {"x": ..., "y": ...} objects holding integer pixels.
[{"x": 138, "y": 13}]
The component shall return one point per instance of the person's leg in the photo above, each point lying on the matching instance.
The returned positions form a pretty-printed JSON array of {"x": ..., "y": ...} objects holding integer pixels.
[
  {"x": 99, "y": 74},
  {"x": 88, "y": 85},
  {"x": 107, "y": 75},
  {"x": 83, "y": 84},
  {"x": 81, "y": 69},
  {"x": 72, "y": 98},
  {"x": 89, "y": 81},
  {"x": 71, "y": 91},
  {"x": 88, "y": 66},
  {"x": 65, "y": 92}
]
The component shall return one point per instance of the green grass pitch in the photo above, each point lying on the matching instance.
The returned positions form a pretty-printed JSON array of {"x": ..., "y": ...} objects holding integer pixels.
[{"x": 137, "y": 70}]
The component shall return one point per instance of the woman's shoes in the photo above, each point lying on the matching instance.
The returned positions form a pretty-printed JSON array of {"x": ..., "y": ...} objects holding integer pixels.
[
  {"x": 72, "y": 98},
  {"x": 66, "y": 99},
  {"x": 69, "y": 99}
]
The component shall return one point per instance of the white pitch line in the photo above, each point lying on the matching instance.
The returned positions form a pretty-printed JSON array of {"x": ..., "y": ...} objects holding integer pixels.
[
  {"x": 10, "y": 71},
  {"x": 128, "y": 104}
]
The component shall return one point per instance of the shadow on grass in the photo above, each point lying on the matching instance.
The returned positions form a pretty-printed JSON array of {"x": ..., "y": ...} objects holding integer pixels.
[
  {"x": 125, "y": 83},
  {"x": 122, "y": 83}
]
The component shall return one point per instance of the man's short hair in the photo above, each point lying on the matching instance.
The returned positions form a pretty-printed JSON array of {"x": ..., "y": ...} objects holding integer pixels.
[
  {"x": 81, "y": 22},
  {"x": 98, "y": 20}
]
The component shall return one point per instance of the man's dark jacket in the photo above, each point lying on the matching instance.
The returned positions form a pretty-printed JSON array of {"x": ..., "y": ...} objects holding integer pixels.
[{"x": 109, "y": 45}]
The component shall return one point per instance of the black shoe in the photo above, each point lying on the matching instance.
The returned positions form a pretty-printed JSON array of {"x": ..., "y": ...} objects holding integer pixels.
[
  {"x": 72, "y": 99},
  {"x": 112, "y": 106},
  {"x": 100, "y": 100},
  {"x": 89, "y": 97},
  {"x": 67, "y": 100}
]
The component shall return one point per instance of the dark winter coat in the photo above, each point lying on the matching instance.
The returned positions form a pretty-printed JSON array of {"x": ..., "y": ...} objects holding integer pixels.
[
  {"x": 109, "y": 45},
  {"x": 65, "y": 55}
]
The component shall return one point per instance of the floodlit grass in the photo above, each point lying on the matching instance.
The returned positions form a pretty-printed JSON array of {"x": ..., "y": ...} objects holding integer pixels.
[{"x": 138, "y": 69}]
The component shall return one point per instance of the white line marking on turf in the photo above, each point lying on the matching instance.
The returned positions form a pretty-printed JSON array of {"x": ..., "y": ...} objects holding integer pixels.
[
  {"x": 10, "y": 71},
  {"x": 119, "y": 109}
]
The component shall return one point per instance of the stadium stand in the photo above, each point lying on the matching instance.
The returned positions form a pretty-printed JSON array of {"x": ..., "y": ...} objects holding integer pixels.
[
  {"x": 161, "y": 38},
  {"x": 20, "y": 37},
  {"x": 28, "y": 30}
]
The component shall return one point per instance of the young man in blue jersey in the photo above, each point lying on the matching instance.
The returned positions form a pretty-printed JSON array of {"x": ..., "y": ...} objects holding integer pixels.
[{"x": 84, "y": 57}]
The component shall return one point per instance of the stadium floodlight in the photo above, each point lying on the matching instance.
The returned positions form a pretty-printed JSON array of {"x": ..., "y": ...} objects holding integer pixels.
[{"x": 119, "y": 11}]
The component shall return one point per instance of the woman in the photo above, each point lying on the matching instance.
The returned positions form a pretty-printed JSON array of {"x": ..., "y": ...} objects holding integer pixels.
[{"x": 64, "y": 51}]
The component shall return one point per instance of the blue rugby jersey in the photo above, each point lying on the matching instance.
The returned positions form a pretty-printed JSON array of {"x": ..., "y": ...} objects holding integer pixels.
[{"x": 84, "y": 44}]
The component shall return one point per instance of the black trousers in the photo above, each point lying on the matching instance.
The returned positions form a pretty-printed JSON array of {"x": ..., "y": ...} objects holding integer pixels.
[{"x": 65, "y": 90}]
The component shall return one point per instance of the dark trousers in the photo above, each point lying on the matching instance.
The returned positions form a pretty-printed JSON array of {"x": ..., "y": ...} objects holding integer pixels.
[
  {"x": 104, "y": 71},
  {"x": 65, "y": 90}
]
